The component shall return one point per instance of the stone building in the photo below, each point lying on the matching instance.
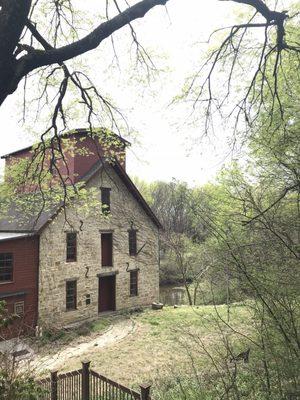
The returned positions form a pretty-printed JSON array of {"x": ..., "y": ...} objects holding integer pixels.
[{"x": 71, "y": 263}]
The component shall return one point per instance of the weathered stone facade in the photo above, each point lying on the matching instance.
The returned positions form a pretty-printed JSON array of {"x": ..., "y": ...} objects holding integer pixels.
[{"x": 54, "y": 271}]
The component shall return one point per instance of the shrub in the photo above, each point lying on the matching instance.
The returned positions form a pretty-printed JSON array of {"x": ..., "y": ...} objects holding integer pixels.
[{"x": 15, "y": 387}]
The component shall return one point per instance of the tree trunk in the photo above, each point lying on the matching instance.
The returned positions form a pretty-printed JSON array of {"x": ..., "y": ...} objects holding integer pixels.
[
  {"x": 13, "y": 17},
  {"x": 6, "y": 78},
  {"x": 196, "y": 292},
  {"x": 188, "y": 293}
]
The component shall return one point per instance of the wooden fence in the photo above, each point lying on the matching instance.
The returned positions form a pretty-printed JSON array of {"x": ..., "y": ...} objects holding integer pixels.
[{"x": 86, "y": 384}]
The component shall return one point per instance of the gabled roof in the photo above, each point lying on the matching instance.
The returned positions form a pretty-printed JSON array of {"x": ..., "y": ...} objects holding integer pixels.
[
  {"x": 120, "y": 171},
  {"x": 27, "y": 215},
  {"x": 33, "y": 221}
]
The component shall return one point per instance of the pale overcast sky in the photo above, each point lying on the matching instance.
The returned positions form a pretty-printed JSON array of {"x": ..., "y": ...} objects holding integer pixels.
[{"x": 161, "y": 150}]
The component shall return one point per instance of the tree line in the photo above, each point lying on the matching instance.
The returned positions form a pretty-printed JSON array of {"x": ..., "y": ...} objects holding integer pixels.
[{"x": 241, "y": 236}]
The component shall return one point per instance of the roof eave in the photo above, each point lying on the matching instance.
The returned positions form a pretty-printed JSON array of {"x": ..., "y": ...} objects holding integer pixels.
[
  {"x": 137, "y": 194},
  {"x": 25, "y": 236}
]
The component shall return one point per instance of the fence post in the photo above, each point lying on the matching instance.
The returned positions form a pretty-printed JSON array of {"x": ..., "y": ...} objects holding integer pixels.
[
  {"x": 145, "y": 392},
  {"x": 85, "y": 380},
  {"x": 54, "y": 385}
]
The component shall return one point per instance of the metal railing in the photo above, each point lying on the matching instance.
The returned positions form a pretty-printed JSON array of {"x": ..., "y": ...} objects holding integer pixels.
[{"x": 86, "y": 384}]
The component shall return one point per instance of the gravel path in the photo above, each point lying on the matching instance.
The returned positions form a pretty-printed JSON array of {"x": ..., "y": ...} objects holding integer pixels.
[{"x": 118, "y": 331}]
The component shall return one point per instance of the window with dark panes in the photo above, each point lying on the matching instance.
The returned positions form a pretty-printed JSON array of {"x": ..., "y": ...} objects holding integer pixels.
[
  {"x": 105, "y": 200},
  {"x": 132, "y": 242},
  {"x": 106, "y": 249},
  {"x": 133, "y": 283},
  {"x": 6, "y": 267},
  {"x": 71, "y": 246},
  {"x": 71, "y": 295}
]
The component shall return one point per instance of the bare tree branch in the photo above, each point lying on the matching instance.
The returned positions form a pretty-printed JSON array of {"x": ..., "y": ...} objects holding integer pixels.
[{"x": 39, "y": 58}]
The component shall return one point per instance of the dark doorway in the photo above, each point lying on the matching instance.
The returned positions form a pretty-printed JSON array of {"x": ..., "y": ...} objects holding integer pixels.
[{"x": 107, "y": 293}]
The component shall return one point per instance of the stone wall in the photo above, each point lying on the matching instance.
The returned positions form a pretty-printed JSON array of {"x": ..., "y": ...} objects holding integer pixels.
[{"x": 54, "y": 270}]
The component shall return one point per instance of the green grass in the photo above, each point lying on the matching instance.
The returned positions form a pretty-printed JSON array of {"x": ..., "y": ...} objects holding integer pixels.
[
  {"x": 175, "y": 332},
  {"x": 65, "y": 336},
  {"x": 100, "y": 325},
  {"x": 160, "y": 345},
  {"x": 202, "y": 318}
]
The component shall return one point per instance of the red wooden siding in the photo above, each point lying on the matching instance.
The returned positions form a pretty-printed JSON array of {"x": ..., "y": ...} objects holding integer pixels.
[
  {"x": 81, "y": 152},
  {"x": 88, "y": 151},
  {"x": 66, "y": 169},
  {"x": 24, "y": 286}
]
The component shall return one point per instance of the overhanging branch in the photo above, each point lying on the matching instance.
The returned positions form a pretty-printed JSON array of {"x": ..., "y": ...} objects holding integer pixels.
[
  {"x": 263, "y": 9},
  {"x": 35, "y": 60}
]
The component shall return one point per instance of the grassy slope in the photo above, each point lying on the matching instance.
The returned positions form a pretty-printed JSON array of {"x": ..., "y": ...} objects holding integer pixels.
[
  {"x": 62, "y": 337},
  {"x": 162, "y": 345}
]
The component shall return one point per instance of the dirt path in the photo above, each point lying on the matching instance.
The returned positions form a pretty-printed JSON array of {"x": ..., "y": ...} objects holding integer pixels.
[{"x": 57, "y": 359}]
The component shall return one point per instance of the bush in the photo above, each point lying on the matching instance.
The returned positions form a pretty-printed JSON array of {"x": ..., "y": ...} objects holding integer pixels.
[
  {"x": 169, "y": 274},
  {"x": 14, "y": 387},
  {"x": 64, "y": 336},
  {"x": 218, "y": 293}
]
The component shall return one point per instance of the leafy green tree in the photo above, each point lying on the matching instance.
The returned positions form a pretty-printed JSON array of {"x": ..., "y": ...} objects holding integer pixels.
[
  {"x": 185, "y": 256},
  {"x": 253, "y": 249},
  {"x": 173, "y": 203},
  {"x": 254, "y": 246},
  {"x": 37, "y": 52},
  {"x": 13, "y": 384}
]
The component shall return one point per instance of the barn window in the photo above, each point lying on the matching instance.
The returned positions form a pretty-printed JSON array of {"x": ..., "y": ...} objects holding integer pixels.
[
  {"x": 19, "y": 308},
  {"x": 106, "y": 249},
  {"x": 133, "y": 283},
  {"x": 105, "y": 200},
  {"x": 71, "y": 295},
  {"x": 71, "y": 246},
  {"x": 132, "y": 242},
  {"x": 6, "y": 267}
]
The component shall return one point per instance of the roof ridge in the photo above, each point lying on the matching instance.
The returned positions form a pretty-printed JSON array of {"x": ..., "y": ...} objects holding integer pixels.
[
  {"x": 47, "y": 215},
  {"x": 70, "y": 132}
]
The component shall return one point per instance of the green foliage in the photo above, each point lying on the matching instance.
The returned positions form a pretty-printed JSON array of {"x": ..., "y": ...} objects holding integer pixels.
[
  {"x": 172, "y": 321},
  {"x": 204, "y": 388},
  {"x": 182, "y": 388},
  {"x": 250, "y": 250},
  {"x": 6, "y": 318},
  {"x": 65, "y": 336},
  {"x": 173, "y": 203},
  {"x": 100, "y": 325},
  {"x": 41, "y": 183},
  {"x": 180, "y": 259},
  {"x": 18, "y": 388},
  {"x": 13, "y": 385}
]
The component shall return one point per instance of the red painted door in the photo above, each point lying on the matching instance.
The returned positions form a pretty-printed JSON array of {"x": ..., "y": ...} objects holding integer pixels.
[{"x": 107, "y": 293}]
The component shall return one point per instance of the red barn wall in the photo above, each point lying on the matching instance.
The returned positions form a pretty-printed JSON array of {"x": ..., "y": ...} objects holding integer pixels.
[
  {"x": 81, "y": 152},
  {"x": 66, "y": 167},
  {"x": 25, "y": 279}
]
